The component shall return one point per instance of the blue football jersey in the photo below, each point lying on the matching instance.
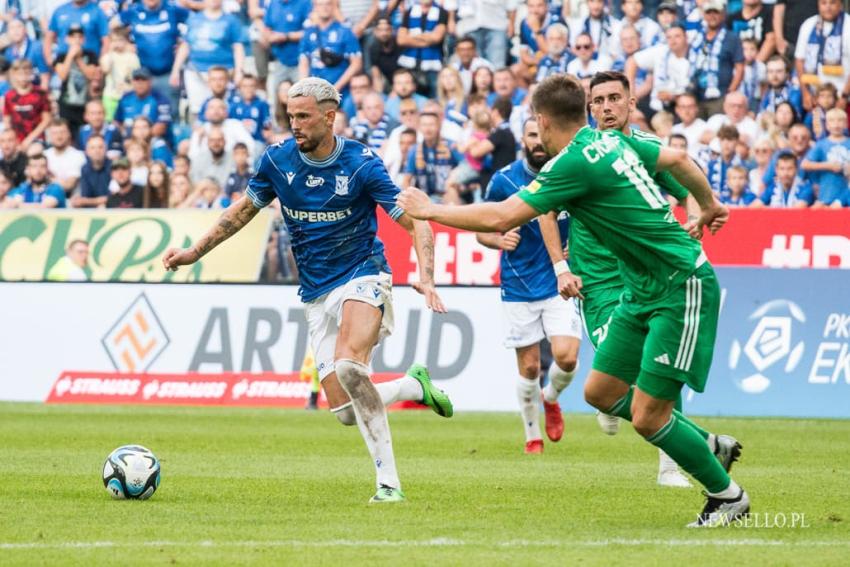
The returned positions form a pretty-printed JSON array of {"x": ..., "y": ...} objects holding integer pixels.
[
  {"x": 329, "y": 210},
  {"x": 526, "y": 272}
]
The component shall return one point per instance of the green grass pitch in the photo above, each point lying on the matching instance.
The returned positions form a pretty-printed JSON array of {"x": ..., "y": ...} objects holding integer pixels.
[{"x": 291, "y": 487}]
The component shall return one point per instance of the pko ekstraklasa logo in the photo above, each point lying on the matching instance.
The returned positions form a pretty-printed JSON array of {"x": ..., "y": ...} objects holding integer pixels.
[{"x": 773, "y": 346}]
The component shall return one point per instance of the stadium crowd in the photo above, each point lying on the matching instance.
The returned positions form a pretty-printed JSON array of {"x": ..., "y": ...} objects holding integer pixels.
[{"x": 167, "y": 103}]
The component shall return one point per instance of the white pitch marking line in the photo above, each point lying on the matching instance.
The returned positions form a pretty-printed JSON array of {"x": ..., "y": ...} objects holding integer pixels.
[{"x": 437, "y": 542}]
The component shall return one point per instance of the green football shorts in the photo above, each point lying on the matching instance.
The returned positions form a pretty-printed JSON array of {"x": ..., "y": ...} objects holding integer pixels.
[
  {"x": 664, "y": 344},
  {"x": 596, "y": 310}
]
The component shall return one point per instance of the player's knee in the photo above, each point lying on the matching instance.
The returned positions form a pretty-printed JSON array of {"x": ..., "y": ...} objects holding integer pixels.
[
  {"x": 646, "y": 423},
  {"x": 530, "y": 370},
  {"x": 566, "y": 361},
  {"x": 350, "y": 372},
  {"x": 345, "y": 415},
  {"x": 597, "y": 398}
]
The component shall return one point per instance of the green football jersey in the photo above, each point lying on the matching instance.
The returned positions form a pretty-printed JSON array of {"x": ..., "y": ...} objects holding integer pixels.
[
  {"x": 605, "y": 181},
  {"x": 589, "y": 259}
]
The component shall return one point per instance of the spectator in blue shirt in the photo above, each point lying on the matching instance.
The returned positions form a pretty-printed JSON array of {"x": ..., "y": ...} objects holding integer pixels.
[
  {"x": 329, "y": 50},
  {"x": 218, "y": 82},
  {"x": 430, "y": 161},
  {"x": 213, "y": 39},
  {"x": 253, "y": 112},
  {"x": 780, "y": 88},
  {"x": 283, "y": 28},
  {"x": 739, "y": 194},
  {"x": 159, "y": 150},
  {"x": 96, "y": 175},
  {"x": 95, "y": 124},
  {"x": 504, "y": 86},
  {"x": 830, "y": 161},
  {"x": 717, "y": 60},
  {"x": 557, "y": 56},
  {"x": 421, "y": 34},
  {"x": 83, "y": 13},
  {"x": 375, "y": 126},
  {"x": 787, "y": 190},
  {"x": 144, "y": 101},
  {"x": 154, "y": 25},
  {"x": 37, "y": 192},
  {"x": 22, "y": 47}
]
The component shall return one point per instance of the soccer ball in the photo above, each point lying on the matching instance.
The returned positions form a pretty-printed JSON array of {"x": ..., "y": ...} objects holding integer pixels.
[{"x": 131, "y": 471}]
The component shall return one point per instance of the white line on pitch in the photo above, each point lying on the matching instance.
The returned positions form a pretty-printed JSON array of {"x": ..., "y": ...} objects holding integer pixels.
[{"x": 437, "y": 542}]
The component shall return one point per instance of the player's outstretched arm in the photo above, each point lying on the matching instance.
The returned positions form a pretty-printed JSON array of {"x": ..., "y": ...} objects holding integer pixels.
[
  {"x": 482, "y": 217},
  {"x": 229, "y": 223},
  {"x": 423, "y": 242},
  {"x": 713, "y": 214},
  {"x": 569, "y": 284}
]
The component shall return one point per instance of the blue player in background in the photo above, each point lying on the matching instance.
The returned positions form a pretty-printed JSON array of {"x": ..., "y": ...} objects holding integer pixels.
[
  {"x": 530, "y": 302},
  {"x": 329, "y": 188}
]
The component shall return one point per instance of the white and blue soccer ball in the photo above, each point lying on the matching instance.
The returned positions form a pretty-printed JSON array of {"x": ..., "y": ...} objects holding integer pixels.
[{"x": 131, "y": 471}]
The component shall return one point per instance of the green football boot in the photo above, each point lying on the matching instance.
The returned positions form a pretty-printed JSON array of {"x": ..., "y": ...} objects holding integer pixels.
[
  {"x": 387, "y": 494},
  {"x": 433, "y": 397}
]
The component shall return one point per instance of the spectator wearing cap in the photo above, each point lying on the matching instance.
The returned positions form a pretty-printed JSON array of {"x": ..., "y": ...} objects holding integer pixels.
[
  {"x": 780, "y": 88},
  {"x": 421, "y": 36},
  {"x": 755, "y": 21},
  {"x": 83, "y": 14},
  {"x": 64, "y": 161},
  {"x": 37, "y": 192},
  {"x": 329, "y": 50},
  {"x": 492, "y": 24},
  {"x": 143, "y": 100},
  {"x": 666, "y": 15},
  {"x": 669, "y": 66},
  {"x": 282, "y": 29},
  {"x": 96, "y": 124},
  {"x": 26, "y": 108},
  {"x": 13, "y": 162},
  {"x": 717, "y": 59},
  {"x": 122, "y": 193},
  {"x": 649, "y": 30},
  {"x": 155, "y": 27},
  {"x": 823, "y": 52},
  {"x": 213, "y": 38},
  {"x": 599, "y": 25},
  {"x": 77, "y": 68},
  {"x": 788, "y": 16},
  {"x": 21, "y": 46},
  {"x": 96, "y": 175}
]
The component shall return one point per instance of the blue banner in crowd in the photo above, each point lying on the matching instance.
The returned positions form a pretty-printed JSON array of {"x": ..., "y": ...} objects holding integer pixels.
[{"x": 783, "y": 347}]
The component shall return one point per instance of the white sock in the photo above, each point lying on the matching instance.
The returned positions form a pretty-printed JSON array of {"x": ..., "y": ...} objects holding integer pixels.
[
  {"x": 371, "y": 419},
  {"x": 404, "y": 389},
  {"x": 528, "y": 394},
  {"x": 712, "y": 442},
  {"x": 731, "y": 491},
  {"x": 559, "y": 379},
  {"x": 666, "y": 462}
]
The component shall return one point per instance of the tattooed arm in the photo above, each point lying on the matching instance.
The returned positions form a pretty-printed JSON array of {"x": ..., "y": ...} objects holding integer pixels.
[
  {"x": 423, "y": 243},
  {"x": 229, "y": 223}
]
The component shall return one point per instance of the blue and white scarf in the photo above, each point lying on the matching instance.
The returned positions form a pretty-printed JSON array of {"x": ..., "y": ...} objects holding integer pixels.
[
  {"x": 704, "y": 57},
  {"x": 775, "y": 97},
  {"x": 425, "y": 58},
  {"x": 824, "y": 50},
  {"x": 605, "y": 32},
  {"x": 780, "y": 198}
]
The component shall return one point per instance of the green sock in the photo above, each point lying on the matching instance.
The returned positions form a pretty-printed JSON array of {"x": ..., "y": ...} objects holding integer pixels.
[
  {"x": 623, "y": 408},
  {"x": 685, "y": 445}
]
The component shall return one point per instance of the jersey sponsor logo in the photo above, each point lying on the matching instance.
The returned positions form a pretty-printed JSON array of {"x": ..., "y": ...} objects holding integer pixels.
[
  {"x": 341, "y": 187},
  {"x": 533, "y": 187},
  {"x": 317, "y": 216},
  {"x": 313, "y": 181},
  {"x": 152, "y": 28},
  {"x": 289, "y": 177}
]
